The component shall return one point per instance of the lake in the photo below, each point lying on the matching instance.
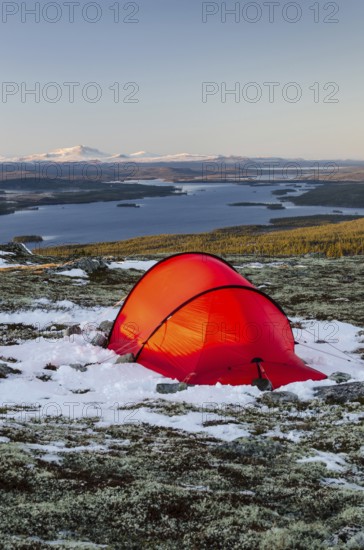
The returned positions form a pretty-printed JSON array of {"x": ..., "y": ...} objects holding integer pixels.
[{"x": 203, "y": 208}]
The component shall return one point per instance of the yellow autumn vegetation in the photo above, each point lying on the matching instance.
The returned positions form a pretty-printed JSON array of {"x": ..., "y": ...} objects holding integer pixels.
[{"x": 332, "y": 240}]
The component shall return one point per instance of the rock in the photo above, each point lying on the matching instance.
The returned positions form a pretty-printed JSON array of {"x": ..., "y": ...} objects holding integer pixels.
[
  {"x": 78, "y": 367},
  {"x": 44, "y": 378},
  {"x": 73, "y": 329},
  {"x": 128, "y": 358},
  {"x": 262, "y": 384},
  {"x": 106, "y": 326},
  {"x": 340, "y": 377},
  {"x": 5, "y": 370},
  {"x": 100, "y": 340},
  {"x": 354, "y": 391},
  {"x": 171, "y": 388},
  {"x": 90, "y": 265},
  {"x": 50, "y": 367},
  {"x": 276, "y": 398},
  {"x": 17, "y": 249}
]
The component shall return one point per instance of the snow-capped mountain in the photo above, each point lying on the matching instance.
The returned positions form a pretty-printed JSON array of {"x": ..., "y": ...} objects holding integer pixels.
[
  {"x": 143, "y": 156},
  {"x": 83, "y": 153},
  {"x": 67, "y": 154}
]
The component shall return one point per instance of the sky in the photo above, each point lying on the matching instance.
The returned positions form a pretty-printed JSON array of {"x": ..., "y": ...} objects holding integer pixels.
[{"x": 155, "y": 76}]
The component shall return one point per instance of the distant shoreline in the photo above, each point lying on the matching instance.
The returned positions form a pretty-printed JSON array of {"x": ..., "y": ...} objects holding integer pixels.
[
  {"x": 286, "y": 236},
  {"x": 30, "y": 195}
]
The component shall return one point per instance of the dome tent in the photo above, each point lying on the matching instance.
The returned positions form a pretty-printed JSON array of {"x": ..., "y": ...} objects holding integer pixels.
[{"x": 194, "y": 318}]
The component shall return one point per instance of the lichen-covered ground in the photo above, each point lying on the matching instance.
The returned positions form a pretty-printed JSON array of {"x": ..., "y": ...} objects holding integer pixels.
[{"x": 295, "y": 482}]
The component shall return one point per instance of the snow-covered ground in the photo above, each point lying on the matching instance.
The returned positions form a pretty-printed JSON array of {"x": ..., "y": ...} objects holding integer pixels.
[
  {"x": 4, "y": 259},
  {"x": 141, "y": 265},
  {"x": 6, "y": 256},
  {"x": 74, "y": 273},
  {"x": 110, "y": 391},
  {"x": 83, "y": 436}
]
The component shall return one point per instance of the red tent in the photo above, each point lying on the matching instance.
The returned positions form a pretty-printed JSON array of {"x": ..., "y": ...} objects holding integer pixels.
[{"x": 194, "y": 318}]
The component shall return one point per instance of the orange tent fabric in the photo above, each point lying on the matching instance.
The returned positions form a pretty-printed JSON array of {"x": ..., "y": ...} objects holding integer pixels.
[{"x": 194, "y": 318}]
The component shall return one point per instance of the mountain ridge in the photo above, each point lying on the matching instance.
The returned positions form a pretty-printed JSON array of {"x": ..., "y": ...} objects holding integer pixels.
[{"x": 85, "y": 153}]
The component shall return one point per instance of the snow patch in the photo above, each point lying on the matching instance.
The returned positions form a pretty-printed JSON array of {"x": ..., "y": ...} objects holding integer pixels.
[
  {"x": 77, "y": 273},
  {"x": 4, "y": 263},
  {"x": 140, "y": 265},
  {"x": 334, "y": 462}
]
